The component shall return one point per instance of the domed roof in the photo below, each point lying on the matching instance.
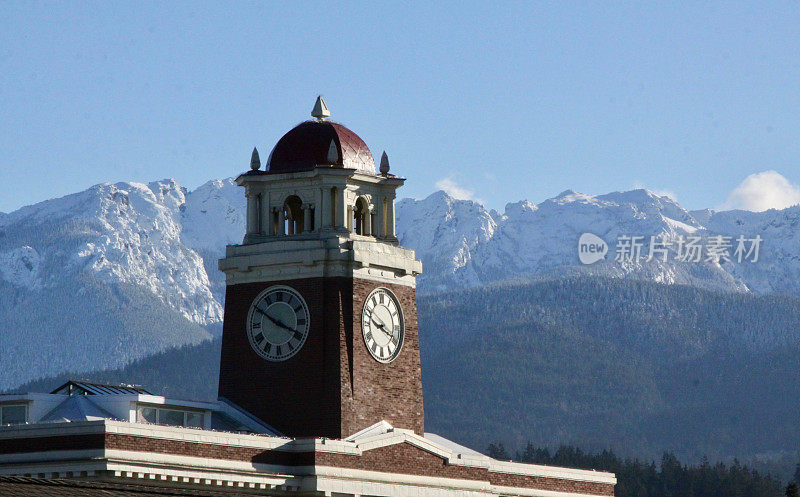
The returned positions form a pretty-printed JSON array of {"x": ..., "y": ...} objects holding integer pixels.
[{"x": 320, "y": 143}]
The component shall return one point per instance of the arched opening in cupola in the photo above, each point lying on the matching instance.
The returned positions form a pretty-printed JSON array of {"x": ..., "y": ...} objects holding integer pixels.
[
  {"x": 293, "y": 215},
  {"x": 360, "y": 214}
]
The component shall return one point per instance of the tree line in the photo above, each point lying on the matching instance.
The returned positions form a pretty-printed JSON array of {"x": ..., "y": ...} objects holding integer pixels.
[{"x": 669, "y": 478}]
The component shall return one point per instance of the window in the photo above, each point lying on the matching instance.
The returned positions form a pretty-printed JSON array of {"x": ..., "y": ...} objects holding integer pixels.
[
  {"x": 170, "y": 417},
  {"x": 193, "y": 420},
  {"x": 360, "y": 217},
  {"x": 13, "y": 414},
  {"x": 293, "y": 215},
  {"x": 148, "y": 415}
]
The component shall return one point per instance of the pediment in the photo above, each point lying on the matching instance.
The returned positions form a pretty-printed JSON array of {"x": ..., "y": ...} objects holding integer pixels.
[{"x": 382, "y": 435}]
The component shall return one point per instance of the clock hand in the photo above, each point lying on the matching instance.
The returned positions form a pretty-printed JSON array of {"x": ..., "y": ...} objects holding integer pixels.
[
  {"x": 382, "y": 327},
  {"x": 275, "y": 321}
]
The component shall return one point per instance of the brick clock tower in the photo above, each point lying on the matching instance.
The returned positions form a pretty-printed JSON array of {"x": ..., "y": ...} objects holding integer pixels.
[{"x": 320, "y": 333}]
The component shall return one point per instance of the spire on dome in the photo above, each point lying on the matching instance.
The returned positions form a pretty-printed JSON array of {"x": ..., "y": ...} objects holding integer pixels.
[
  {"x": 384, "y": 163},
  {"x": 320, "y": 110},
  {"x": 255, "y": 161}
]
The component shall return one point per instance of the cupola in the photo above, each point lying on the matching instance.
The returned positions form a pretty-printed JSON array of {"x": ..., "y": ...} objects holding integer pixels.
[
  {"x": 320, "y": 181},
  {"x": 320, "y": 143}
]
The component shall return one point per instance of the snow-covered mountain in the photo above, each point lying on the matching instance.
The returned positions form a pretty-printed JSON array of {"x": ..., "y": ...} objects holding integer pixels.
[
  {"x": 110, "y": 274},
  {"x": 120, "y": 271},
  {"x": 462, "y": 244},
  {"x": 120, "y": 233}
]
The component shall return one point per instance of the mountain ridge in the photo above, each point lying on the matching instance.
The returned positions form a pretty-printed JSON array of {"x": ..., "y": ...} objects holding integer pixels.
[
  {"x": 154, "y": 247},
  {"x": 470, "y": 246}
]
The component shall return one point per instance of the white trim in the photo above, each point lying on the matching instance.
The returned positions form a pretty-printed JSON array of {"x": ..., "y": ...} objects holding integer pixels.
[
  {"x": 378, "y": 428},
  {"x": 47, "y": 457},
  {"x": 204, "y": 463},
  {"x": 313, "y": 257},
  {"x": 524, "y": 469},
  {"x": 355, "y": 448},
  {"x": 400, "y": 478}
]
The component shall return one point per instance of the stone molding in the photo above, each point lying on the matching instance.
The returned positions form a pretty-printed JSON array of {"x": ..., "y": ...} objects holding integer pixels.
[{"x": 313, "y": 257}]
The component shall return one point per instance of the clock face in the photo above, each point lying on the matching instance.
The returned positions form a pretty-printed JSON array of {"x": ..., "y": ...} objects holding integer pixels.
[
  {"x": 278, "y": 323},
  {"x": 382, "y": 325}
]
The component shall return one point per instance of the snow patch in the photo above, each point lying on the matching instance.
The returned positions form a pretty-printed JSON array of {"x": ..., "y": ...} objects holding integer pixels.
[{"x": 20, "y": 267}]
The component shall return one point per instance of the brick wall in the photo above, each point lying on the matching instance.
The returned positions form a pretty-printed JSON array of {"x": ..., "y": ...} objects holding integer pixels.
[
  {"x": 332, "y": 387},
  {"x": 379, "y": 391},
  {"x": 294, "y": 396}
]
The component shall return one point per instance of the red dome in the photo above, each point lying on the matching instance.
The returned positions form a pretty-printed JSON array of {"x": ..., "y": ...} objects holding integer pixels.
[{"x": 308, "y": 145}]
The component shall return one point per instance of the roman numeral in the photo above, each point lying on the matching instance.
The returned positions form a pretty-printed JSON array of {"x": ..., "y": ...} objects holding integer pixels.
[
  {"x": 267, "y": 347},
  {"x": 368, "y": 336},
  {"x": 298, "y": 336},
  {"x": 374, "y": 302},
  {"x": 381, "y": 352},
  {"x": 301, "y": 321},
  {"x": 279, "y": 296},
  {"x": 256, "y": 325},
  {"x": 259, "y": 337},
  {"x": 381, "y": 297},
  {"x": 278, "y": 351}
]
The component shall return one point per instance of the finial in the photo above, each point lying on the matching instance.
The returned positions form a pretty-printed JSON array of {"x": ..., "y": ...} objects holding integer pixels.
[
  {"x": 255, "y": 161},
  {"x": 320, "y": 110},
  {"x": 333, "y": 153},
  {"x": 384, "y": 163}
]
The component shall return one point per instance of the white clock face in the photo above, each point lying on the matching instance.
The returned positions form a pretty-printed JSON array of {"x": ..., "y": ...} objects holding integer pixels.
[
  {"x": 382, "y": 325},
  {"x": 278, "y": 323}
]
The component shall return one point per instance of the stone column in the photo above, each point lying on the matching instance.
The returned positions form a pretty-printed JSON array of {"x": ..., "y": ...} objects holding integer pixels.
[
  {"x": 390, "y": 219},
  {"x": 385, "y": 217},
  {"x": 324, "y": 206},
  {"x": 306, "y": 218},
  {"x": 264, "y": 215},
  {"x": 368, "y": 222},
  {"x": 281, "y": 221},
  {"x": 349, "y": 224},
  {"x": 252, "y": 213},
  {"x": 342, "y": 209},
  {"x": 377, "y": 226},
  {"x": 317, "y": 208}
]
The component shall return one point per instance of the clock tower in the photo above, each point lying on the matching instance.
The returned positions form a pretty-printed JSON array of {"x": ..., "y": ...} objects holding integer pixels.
[{"x": 320, "y": 332}]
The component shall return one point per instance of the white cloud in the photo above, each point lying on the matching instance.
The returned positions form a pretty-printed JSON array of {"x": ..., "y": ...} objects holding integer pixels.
[
  {"x": 454, "y": 190},
  {"x": 761, "y": 191}
]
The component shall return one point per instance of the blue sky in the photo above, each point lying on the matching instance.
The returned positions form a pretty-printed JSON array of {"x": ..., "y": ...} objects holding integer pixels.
[{"x": 496, "y": 101}]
